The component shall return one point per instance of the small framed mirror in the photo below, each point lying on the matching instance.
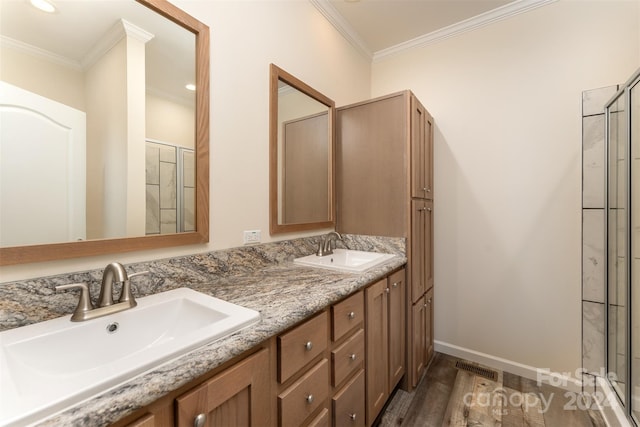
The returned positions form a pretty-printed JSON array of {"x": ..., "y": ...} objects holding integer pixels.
[{"x": 301, "y": 154}]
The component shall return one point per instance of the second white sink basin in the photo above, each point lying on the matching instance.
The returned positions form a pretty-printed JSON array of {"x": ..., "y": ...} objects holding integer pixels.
[
  {"x": 48, "y": 366},
  {"x": 345, "y": 260}
]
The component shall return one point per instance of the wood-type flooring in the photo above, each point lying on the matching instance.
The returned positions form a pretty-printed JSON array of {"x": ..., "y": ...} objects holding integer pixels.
[{"x": 448, "y": 396}]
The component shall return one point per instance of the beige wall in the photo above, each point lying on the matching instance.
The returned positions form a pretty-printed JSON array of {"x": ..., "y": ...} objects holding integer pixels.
[
  {"x": 46, "y": 78},
  {"x": 245, "y": 38},
  {"x": 170, "y": 122},
  {"x": 507, "y": 106}
]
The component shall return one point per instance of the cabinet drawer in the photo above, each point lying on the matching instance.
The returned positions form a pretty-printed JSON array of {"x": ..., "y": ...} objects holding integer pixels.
[
  {"x": 346, "y": 315},
  {"x": 347, "y": 358},
  {"x": 301, "y": 345},
  {"x": 306, "y": 395},
  {"x": 321, "y": 420},
  {"x": 348, "y": 403}
]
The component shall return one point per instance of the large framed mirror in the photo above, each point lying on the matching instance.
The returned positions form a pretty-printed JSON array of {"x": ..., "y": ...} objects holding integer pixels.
[
  {"x": 126, "y": 164},
  {"x": 301, "y": 155}
]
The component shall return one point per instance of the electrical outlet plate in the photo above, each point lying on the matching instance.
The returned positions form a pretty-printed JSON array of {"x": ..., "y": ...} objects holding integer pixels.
[{"x": 251, "y": 236}]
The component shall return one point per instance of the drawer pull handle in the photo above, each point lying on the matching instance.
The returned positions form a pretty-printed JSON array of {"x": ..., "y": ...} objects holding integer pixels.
[
  {"x": 308, "y": 346},
  {"x": 353, "y": 356},
  {"x": 352, "y": 416},
  {"x": 351, "y": 315},
  {"x": 309, "y": 398},
  {"x": 200, "y": 420}
]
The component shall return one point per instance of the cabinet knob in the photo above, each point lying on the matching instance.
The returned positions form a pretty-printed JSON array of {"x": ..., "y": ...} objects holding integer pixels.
[
  {"x": 428, "y": 190},
  {"x": 352, "y": 417},
  {"x": 395, "y": 284},
  {"x": 308, "y": 346},
  {"x": 428, "y": 209},
  {"x": 387, "y": 290},
  {"x": 309, "y": 398},
  {"x": 200, "y": 420},
  {"x": 425, "y": 189},
  {"x": 351, "y": 315},
  {"x": 353, "y": 356},
  {"x": 429, "y": 301}
]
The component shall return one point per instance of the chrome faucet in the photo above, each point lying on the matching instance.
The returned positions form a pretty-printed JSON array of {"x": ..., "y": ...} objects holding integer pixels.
[
  {"x": 106, "y": 305},
  {"x": 324, "y": 245},
  {"x": 113, "y": 270}
]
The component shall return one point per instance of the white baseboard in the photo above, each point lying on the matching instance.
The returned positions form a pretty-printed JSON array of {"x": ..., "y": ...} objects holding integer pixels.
[{"x": 526, "y": 371}]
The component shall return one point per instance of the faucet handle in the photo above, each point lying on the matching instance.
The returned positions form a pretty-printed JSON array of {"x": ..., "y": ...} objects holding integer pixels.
[
  {"x": 139, "y": 273},
  {"x": 125, "y": 294},
  {"x": 84, "y": 303}
]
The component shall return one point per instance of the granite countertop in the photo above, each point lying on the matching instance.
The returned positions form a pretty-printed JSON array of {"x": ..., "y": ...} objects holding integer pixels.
[{"x": 284, "y": 293}]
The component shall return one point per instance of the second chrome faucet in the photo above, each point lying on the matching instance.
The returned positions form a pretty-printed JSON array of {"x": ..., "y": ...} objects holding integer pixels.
[{"x": 113, "y": 273}]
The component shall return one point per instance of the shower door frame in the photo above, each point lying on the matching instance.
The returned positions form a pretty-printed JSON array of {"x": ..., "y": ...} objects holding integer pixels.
[{"x": 624, "y": 91}]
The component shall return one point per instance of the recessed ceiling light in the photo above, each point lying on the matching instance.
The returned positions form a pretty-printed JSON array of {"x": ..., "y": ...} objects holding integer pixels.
[
  {"x": 43, "y": 5},
  {"x": 190, "y": 86}
]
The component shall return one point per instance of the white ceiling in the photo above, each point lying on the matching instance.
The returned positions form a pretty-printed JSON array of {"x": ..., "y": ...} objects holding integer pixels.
[{"x": 381, "y": 27}]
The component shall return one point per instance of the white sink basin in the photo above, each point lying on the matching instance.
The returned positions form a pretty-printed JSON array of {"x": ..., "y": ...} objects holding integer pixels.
[
  {"x": 48, "y": 366},
  {"x": 345, "y": 260}
]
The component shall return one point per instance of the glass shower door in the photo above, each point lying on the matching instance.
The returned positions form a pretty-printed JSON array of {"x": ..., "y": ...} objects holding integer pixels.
[
  {"x": 634, "y": 242},
  {"x": 617, "y": 244}
]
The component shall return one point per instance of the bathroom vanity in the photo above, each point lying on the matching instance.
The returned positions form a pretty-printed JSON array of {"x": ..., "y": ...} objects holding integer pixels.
[
  {"x": 297, "y": 304},
  {"x": 310, "y": 374}
]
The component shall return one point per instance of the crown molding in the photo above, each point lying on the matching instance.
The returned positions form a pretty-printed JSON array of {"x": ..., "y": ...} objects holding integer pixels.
[
  {"x": 512, "y": 9},
  {"x": 333, "y": 16},
  {"x": 40, "y": 53},
  {"x": 343, "y": 27},
  {"x": 117, "y": 32}
]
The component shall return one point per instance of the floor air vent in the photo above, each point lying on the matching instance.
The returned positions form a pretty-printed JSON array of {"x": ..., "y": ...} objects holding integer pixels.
[{"x": 477, "y": 370}]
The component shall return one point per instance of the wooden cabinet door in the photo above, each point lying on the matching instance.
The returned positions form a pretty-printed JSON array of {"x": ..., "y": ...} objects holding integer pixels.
[
  {"x": 377, "y": 344},
  {"x": 418, "y": 341},
  {"x": 418, "y": 259},
  {"x": 429, "y": 325},
  {"x": 418, "y": 150},
  {"x": 428, "y": 245},
  {"x": 397, "y": 303},
  {"x": 421, "y": 151},
  {"x": 428, "y": 161},
  {"x": 238, "y": 396}
]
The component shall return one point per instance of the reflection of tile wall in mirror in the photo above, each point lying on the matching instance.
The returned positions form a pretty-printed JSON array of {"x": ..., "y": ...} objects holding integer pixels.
[
  {"x": 170, "y": 172},
  {"x": 189, "y": 190}
]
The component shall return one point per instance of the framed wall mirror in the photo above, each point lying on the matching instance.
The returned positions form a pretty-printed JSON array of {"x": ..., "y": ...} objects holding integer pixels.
[
  {"x": 301, "y": 155},
  {"x": 102, "y": 147}
]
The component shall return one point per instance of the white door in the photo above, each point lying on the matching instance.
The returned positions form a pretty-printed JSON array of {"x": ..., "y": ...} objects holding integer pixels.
[{"x": 42, "y": 169}]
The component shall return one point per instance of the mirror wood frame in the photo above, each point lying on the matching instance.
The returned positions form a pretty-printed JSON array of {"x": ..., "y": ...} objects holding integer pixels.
[
  {"x": 48, "y": 252},
  {"x": 278, "y": 74}
]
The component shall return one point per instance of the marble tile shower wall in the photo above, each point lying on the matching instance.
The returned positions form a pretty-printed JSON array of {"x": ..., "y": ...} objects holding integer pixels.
[
  {"x": 30, "y": 301},
  {"x": 593, "y": 223}
]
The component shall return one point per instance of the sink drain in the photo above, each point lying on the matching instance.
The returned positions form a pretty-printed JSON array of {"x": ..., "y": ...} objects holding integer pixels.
[{"x": 112, "y": 328}]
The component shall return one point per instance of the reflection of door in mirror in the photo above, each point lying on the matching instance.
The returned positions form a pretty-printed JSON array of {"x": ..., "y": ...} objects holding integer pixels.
[
  {"x": 305, "y": 196},
  {"x": 170, "y": 188},
  {"x": 50, "y": 138}
]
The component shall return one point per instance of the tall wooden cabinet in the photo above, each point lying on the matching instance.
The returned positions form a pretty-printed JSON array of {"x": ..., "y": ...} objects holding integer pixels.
[{"x": 384, "y": 187}]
